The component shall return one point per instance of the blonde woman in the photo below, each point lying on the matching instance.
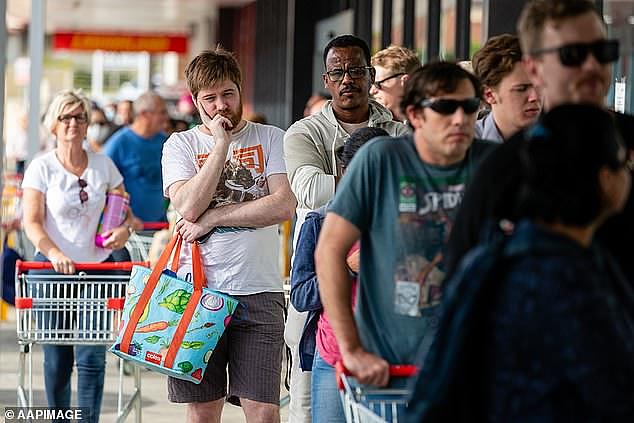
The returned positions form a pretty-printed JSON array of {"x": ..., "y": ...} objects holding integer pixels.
[{"x": 64, "y": 193}]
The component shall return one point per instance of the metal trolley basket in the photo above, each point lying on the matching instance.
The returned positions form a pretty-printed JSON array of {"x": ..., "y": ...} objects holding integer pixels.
[
  {"x": 77, "y": 309},
  {"x": 139, "y": 243},
  {"x": 362, "y": 404}
]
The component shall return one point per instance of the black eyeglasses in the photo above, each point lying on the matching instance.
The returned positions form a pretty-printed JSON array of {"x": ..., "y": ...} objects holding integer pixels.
[
  {"x": 377, "y": 84},
  {"x": 83, "y": 195},
  {"x": 573, "y": 55},
  {"x": 82, "y": 118},
  {"x": 448, "y": 106},
  {"x": 358, "y": 72}
]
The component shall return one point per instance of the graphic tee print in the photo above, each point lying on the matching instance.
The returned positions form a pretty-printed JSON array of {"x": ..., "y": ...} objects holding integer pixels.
[
  {"x": 242, "y": 178},
  {"x": 424, "y": 221}
]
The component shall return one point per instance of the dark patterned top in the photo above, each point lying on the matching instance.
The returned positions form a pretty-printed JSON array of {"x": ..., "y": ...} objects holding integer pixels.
[{"x": 560, "y": 344}]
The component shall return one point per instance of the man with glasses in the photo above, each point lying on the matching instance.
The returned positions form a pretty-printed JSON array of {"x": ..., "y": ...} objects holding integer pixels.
[
  {"x": 136, "y": 150},
  {"x": 567, "y": 57},
  {"x": 399, "y": 197},
  {"x": 514, "y": 101},
  {"x": 309, "y": 151},
  {"x": 392, "y": 66}
]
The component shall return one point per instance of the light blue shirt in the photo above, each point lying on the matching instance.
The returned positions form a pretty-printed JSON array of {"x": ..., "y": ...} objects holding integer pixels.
[{"x": 486, "y": 129}]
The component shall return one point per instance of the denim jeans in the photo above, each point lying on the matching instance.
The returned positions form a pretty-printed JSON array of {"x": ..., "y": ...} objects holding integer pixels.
[
  {"x": 58, "y": 364},
  {"x": 325, "y": 400},
  {"x": 91, "y": 369}
]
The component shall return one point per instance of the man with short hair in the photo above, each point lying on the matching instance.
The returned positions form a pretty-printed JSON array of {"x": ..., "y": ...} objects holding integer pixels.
[
  {"x": 124, "y": 113},
  {"x": 568, "y": 58},
  {"x": 136, "y": 150},
  {"x": 392, "y": 66},
  {"x": 399, "y": 197},
  {"x": 227, "y": 179},
  {"x": 514, "y": 101},
  {"x": 309, "y": 150}
]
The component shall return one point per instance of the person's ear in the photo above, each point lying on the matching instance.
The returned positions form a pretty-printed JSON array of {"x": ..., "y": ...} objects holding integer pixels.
[
  {"x": 324, "y": 77},
  {"x": 414, "y": 115},
  {"x": 404, "y": 79},
  {"x": 489, "y": 95},
  {"x": 608, "y": 184}
]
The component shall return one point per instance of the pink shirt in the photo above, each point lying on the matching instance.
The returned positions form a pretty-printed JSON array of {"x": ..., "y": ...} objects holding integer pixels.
[{"x": 326, "y": 341}]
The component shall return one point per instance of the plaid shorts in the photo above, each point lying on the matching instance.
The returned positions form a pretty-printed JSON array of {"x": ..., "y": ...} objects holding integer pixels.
[{"x": 251, "y": 347}]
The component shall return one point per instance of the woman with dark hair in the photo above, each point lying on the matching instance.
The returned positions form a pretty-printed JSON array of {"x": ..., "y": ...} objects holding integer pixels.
[
  {"x": 539, "y": 325},
  {"x": 318, "y": 349}
]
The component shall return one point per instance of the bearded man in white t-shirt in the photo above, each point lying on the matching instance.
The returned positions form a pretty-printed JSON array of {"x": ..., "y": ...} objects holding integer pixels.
[{"x": 227, "y": 179}]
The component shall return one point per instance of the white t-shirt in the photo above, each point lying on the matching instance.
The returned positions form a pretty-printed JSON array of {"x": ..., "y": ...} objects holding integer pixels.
[
  {"x": 70, "y": 224},
  {"x": 237, "y": 261}
]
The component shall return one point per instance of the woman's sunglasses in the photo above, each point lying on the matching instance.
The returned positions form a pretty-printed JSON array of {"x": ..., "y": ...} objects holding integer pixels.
[
  {"x": 573, "y": 55},
  {"x": 83, "y": 195},
  {"x": 449, "y": 107}
]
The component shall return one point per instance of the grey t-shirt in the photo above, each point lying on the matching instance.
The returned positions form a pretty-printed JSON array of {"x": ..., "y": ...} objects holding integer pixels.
[{"x": 404, "y": 209}]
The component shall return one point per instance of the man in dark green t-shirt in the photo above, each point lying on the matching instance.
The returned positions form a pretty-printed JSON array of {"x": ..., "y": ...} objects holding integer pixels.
[{"x": 400, "y": 198}]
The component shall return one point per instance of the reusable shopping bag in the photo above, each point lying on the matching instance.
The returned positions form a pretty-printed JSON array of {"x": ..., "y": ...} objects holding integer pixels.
[{"x": 170, "y": 325}]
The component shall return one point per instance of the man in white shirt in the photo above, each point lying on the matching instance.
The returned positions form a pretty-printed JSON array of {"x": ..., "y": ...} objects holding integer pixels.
[{"x": 227, "y": 179}]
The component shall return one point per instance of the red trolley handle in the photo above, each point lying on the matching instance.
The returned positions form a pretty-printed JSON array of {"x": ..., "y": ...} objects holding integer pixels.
[
  {"x": 22, "y": 266},
  {"x": 396, "y": 370},
  {"x": 155, "y": 226}
]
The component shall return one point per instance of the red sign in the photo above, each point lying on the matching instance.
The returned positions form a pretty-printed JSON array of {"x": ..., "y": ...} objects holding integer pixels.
[
  {"x": 88, "y": 41},
  {"x": 153, "y": 357}
]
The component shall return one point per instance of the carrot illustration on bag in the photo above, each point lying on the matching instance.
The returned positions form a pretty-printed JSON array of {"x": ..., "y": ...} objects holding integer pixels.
[{"x": 153, "y": 327}]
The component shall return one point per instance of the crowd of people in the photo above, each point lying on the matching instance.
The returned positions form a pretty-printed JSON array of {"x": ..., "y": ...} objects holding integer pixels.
[{"x": 472, "y": 222}]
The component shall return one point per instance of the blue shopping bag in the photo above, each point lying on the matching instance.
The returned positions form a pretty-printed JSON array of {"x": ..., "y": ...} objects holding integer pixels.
[{"x": 170, "y": 325}]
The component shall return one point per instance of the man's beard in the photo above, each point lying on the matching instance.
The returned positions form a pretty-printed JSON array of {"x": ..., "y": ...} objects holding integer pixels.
[{"x": 234, "y": 116}]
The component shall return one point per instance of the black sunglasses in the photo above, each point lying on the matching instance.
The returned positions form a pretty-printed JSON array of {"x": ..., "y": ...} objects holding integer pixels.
[
  {"x": 377, "y": 84},
  {"x": 572, "y": 55},
  {"x": 448, "y": 107},
  {"x": 83, "y": 195}
]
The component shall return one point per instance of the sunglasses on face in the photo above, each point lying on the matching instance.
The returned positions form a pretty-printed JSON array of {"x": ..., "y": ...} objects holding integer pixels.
[
  {"x": 449, "y": 107},
  {"x": 377, "y": 84},
  {"x": 572, "y": 55},
  {"x": 83, "y": 195},
  {"x": 358, "y": 72}
]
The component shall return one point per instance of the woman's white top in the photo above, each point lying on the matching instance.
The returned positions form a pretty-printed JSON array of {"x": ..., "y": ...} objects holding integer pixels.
[{"x": 70, "y": 224}]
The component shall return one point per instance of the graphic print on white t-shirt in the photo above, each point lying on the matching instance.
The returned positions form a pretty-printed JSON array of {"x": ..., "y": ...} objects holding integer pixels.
[{"x": 242, "y": 178}]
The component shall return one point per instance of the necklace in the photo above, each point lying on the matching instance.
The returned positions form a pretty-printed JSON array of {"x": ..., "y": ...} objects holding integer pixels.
[{"x": 75, "y": 169}]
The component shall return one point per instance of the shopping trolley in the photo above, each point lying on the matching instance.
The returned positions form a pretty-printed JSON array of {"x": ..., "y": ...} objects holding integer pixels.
[
  {"x": 362, "y": 404},
  {"x": 77, "y": 309},
  {"x": 139, "y": 243}
]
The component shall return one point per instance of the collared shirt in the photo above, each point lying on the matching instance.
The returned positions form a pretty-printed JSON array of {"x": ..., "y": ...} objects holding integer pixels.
[{"x": 486, "y": 129}]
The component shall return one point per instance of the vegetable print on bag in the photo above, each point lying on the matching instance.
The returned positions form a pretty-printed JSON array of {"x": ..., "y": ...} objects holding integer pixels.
[{"x": 170, "y": 325}]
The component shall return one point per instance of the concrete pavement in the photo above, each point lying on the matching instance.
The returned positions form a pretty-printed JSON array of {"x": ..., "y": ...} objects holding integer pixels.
[{"x": 155, "y": 406}]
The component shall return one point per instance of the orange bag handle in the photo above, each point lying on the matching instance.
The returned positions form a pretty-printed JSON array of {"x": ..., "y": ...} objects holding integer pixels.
[
  {"x": 188, "y": 314},
  {"x": 155, "y": 275},
  {"x": 176, "y": 258}
]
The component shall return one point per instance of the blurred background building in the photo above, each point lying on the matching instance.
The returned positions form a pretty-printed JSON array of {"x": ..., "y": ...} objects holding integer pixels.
[{"x": 115, "y": 49}]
